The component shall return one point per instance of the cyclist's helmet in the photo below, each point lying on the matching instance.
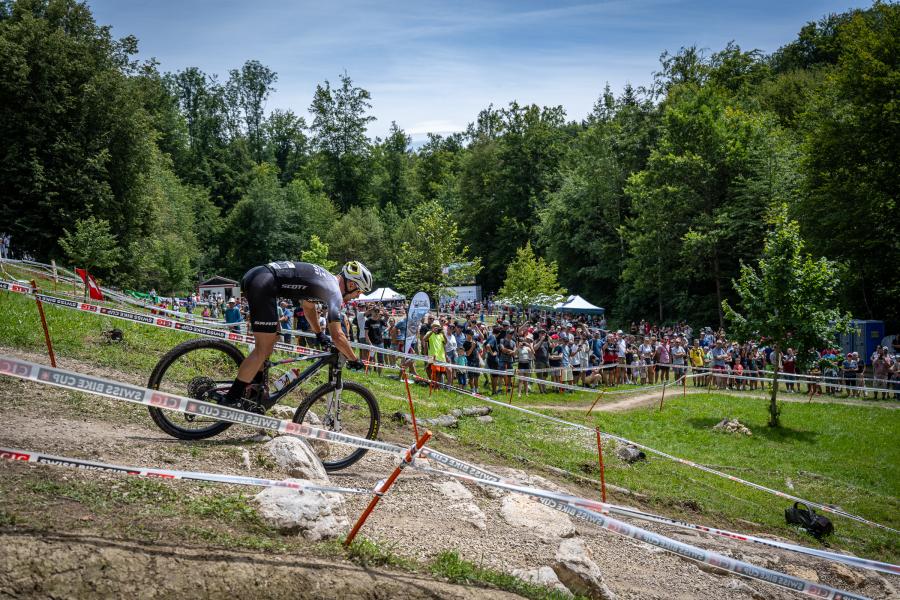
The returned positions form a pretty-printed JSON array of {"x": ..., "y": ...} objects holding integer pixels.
[{"x": 357, "y": 272}]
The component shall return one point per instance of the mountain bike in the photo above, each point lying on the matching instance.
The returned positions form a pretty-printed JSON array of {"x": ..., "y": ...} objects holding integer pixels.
[{"x": 204, "y": 370}]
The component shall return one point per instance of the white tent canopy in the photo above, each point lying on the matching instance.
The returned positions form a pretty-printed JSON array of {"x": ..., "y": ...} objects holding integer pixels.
[
  {"x": 577, "y": 304},
  {"x": 384, "y": 294}
]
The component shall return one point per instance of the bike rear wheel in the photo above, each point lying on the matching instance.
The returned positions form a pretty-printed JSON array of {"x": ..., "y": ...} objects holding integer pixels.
[
  {"x": 358, "y": 415},
  {"x": 194, "y": 369}
]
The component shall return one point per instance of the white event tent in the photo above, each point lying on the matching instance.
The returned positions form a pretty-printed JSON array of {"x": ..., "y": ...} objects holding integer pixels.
[
  {"x": 577, "y": 304},
  {"x": 384, "y": 294}
]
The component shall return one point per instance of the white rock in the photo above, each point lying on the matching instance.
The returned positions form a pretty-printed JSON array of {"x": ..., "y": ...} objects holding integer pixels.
[
  {"x": 576, "y": 569},
  {"x": 245, "y": 458},
  {"x": 470, "y": 513},
  {"x": 544, "y": 576},
  {"x": 297, "y": 458},
  {"x": 307, "y": 513},
  {"x": 521, "y": 511},
  {"x": 739, "y": 586},
  {"x": 281, "y": 411},
  {"x": 476, "y": 411},
  {"x": 311, "y": 418},
  {"x": 453, "y": 490},
  {"x": 485, "y": 419},
  {"x": 261, "y": 436}
]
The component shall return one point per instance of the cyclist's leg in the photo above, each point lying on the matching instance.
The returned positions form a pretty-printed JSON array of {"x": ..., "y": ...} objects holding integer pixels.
[{"x": 260, "y": 289}]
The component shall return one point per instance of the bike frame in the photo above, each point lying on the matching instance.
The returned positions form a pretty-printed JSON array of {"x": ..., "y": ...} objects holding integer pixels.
[{"x": 331, "y": 359}]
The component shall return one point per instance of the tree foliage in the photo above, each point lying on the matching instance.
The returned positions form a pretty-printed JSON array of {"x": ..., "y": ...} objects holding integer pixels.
[
  {"x": 91, "y": 245},
  {"x": 789, "y": 300},
  {"x": 434, "y": 259},
  {"x": 531, "y": 280}
]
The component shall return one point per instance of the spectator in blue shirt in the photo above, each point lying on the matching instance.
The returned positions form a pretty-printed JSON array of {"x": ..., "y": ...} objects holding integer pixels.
[{"x": 233, "y": 316}]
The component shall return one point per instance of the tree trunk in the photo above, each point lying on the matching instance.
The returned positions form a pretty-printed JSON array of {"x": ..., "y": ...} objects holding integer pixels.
[{"x": 773, "y": 402}]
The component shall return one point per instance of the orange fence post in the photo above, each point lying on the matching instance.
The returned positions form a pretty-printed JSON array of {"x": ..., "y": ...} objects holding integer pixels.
[
  {"x": 684, "y": 385},
  {"x": 600, "y": 458},
  {"x": 663, "y": 395},
  {"x": 412, "y": 411},
  {"x": 411, "y": 452},
  {"x": 600, "y": 395},
  {"x": 40, "y": 307}
]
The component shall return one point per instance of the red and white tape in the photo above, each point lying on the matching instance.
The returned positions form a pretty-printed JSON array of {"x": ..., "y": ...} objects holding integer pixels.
[{"x": 40, "y": 458}]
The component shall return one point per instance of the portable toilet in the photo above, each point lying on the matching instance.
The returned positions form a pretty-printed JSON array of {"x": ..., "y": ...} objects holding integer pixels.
[{"x": 863, "y": 337}]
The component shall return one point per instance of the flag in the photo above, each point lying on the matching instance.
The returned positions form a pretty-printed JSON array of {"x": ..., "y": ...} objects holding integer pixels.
[
  {"x": 418, "y": 308},
  {"x": 91, "y": 284}
]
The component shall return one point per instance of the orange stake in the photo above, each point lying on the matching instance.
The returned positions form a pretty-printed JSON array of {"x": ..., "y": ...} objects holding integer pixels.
[
  {"x": 663, "y": 396},
  {"x": 412, "y": 411},
  {"x": 600, "y": 395},
  {"x": 600, "y": 458},
  {"x": 40, "y": 306},
  {"x": 684, "y": 386},
  {"x": 411, "y": 452}
]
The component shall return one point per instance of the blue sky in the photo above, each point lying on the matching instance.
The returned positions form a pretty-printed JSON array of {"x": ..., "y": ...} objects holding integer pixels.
[{"x": 431, "y": 66}]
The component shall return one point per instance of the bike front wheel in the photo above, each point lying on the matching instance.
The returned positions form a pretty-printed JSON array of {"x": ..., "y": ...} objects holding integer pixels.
[{"x": 355, "y": 412}]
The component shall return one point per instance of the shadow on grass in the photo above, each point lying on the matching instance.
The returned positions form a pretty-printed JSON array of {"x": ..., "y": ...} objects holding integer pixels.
[{"x": 775, "y": 434}]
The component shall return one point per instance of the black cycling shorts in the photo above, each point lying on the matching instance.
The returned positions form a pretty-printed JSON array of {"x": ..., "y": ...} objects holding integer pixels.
[{"x": 261, "y": 292}]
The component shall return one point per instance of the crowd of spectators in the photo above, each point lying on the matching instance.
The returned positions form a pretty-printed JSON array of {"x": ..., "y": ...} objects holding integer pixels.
[{"x": 572, "y": 349}]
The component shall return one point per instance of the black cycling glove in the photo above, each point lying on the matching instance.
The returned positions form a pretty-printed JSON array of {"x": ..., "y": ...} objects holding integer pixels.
[
  {"x": 322, "y": 340},
  {"x": 355, "y": 365}
]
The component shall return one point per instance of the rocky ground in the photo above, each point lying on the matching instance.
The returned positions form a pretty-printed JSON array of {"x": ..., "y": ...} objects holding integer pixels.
[{"x": 61, "y": 549}]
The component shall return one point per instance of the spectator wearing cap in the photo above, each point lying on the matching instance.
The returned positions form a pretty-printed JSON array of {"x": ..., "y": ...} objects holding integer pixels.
[
  {"x": 555, "y": 358},
  {"x": 233, "y": 316},
  {"x": 471, "y": 350},
  {"x": 524, "y": 357},
  {"x": 492, "y": 356},
  {"x": 507, "y": 347}
]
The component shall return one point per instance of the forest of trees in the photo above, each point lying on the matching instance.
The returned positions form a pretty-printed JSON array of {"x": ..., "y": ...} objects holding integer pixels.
[{"x": 648, "y": 205}]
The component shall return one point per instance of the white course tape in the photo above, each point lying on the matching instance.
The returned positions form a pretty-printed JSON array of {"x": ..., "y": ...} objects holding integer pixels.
[
  {"x": 77, "y": 463},
  {"x": 825, "y": 507},
  {"x": 157, "y": 399},
  {"x": 121, "y": 391},
  {"x": 215, "y": 333},
  {"x": 565, "y": 504}
]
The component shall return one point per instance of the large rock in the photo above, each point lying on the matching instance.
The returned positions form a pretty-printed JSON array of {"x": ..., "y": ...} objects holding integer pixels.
[
  {"x": 470, "y": 513},
  {"x": 443, "y": 421},
  {"x": 476, "y": 411},
  {"x": 729, "y": 425},
  {"x": 630, "y": 454},
  {"x": 576, "y": 569},
  {"x": 521, "y": 511},
  {"x": 307, "y": 513},
  {"x": 297, "y": 458},
  {"x": 544, "y": 576},
  {"x": 453, "y": 490},
  {"x": 485, "y": 419}
]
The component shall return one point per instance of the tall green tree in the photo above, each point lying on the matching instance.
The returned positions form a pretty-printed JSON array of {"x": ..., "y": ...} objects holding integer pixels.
[
  {"x": 249, "y": 87},
  {"x": 91, "y": 245},
  {"x": 427, "y": 257},
  {"x": 287, "y": 146},
  {"x": 850, "y": 210},
  {"x": 393, "y": 170},
  {"x": 76, "y": 137},
  {"x": 317, "y": 254},
  {"x": 530, "y": 279},
  {"x": 789, "y": 299},
  {"x": 339, "y": 127}
]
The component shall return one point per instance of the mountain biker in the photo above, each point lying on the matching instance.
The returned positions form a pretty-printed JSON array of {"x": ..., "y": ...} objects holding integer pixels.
[{"x": 309, "y": 283}]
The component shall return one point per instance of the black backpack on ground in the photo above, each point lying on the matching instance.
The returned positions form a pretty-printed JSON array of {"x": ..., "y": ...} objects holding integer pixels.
[{"x": 816, "y": 525}]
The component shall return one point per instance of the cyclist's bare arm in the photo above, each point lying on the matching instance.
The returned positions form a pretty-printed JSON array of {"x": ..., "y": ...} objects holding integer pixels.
[
  {"x": 340, "y": 340},
  {"x": 312, "y": 315}
]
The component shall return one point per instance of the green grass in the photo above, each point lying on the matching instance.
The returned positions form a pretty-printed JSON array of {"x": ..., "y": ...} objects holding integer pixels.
[
  {"x": 830, "y": 453},
  {"x": 456, "y": 570}
]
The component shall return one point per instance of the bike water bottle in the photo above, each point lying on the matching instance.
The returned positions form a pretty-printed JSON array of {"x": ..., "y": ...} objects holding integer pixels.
[{"x": 281, "y": 382}]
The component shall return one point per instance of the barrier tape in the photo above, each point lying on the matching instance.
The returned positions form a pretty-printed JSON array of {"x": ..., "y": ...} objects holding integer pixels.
[
  {"x": 169, "y": 324},
  {"x": 30, "y": 456},
  {"x": 157, "y": 399},
  {"x": 222, "y": 331},
  {"x": 121, "y": 391},
  {"x": 825, "y": 507},
  {"x": 564, "y": 504}
]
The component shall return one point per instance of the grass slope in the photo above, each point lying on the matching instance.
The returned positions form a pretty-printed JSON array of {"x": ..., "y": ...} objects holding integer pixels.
[{"x": 838, "y": 454}]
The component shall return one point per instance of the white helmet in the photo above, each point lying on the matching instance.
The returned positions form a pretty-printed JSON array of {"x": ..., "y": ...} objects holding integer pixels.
[{"x": 357, "y": 272}]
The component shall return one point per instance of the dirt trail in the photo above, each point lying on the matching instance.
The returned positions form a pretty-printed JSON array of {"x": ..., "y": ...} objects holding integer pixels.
[{"x": 70, "y": 555}]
